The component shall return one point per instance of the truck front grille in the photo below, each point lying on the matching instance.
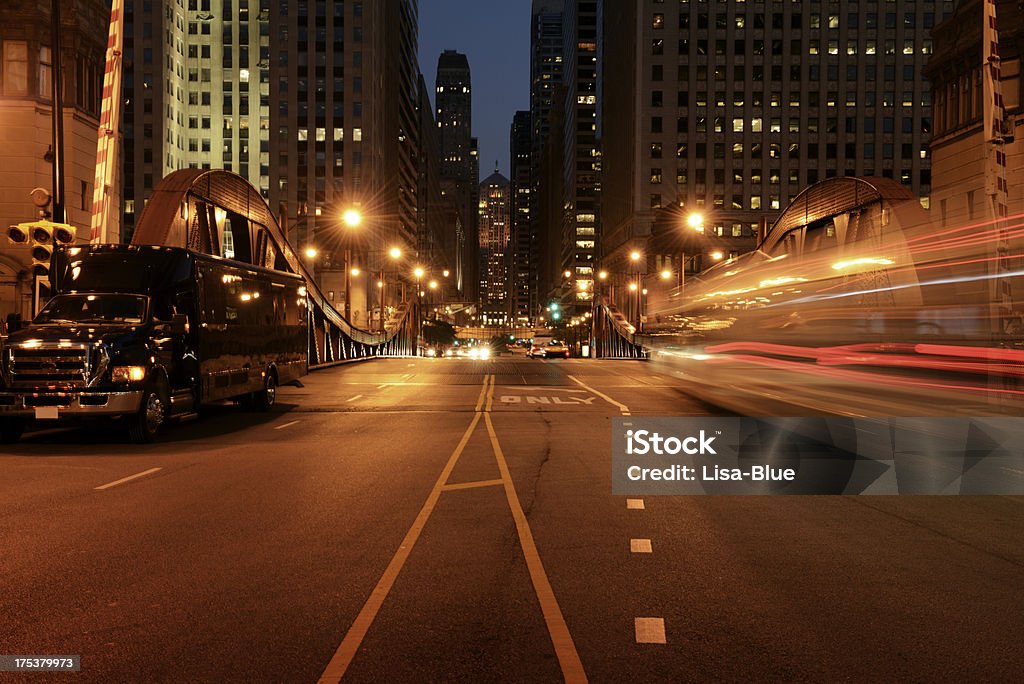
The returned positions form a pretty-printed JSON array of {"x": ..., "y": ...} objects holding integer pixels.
[{"x": 49, "y": 367}]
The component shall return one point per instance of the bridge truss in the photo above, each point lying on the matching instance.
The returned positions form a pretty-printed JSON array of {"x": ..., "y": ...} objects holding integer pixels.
[{"x": 220, "y": 213}]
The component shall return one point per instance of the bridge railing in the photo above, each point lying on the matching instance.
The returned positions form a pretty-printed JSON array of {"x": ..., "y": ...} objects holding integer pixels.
[{"x": 614, "y": 336}]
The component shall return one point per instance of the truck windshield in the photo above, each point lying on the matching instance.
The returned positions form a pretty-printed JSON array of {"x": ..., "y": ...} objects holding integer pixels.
[{"x": 94, "y": 308}]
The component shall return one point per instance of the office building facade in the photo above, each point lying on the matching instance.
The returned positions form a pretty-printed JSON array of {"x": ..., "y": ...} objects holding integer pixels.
[
  {"x": 26, "y": 124},
  {"x": 729, "y": 110},
  {"x": 522, "y": 299}
]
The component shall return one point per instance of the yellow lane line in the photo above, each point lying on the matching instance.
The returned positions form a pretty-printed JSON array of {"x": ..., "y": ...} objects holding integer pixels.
[
  {"x": 565, "y": 649},
  {"x": 472, "y": 485},
  {"x": 336, "y": 668}
]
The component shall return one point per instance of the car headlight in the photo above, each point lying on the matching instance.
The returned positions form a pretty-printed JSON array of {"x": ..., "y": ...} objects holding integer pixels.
[
  {"x": 485, "y": 353},
  {"x": 128, "y": 373},
  {"x": 431, "y": 352}
]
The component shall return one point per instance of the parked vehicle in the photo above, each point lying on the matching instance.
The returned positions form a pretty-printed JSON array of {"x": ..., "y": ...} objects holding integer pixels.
[
  {"x": 547, "y": 348},
  {"x": 140, "y": 334}
]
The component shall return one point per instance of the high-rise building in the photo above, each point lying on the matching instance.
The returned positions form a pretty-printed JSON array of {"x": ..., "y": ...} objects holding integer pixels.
[
  {"x": 196, "y": 87},
  {"x": 343, "y": 130},
  {"x": 581, "y": 159},
  {"x": 731, "y": 109},
  {"x": 453, "y": 101},
  {"x": 962, "y": 182},
  {"x": 521, "y": 200},
  {"x": 26, "y": 124},
  {"x": 345, "y": 133},
  {"x": 546, "y": 49},
  {"x": 495, "y": 233}
]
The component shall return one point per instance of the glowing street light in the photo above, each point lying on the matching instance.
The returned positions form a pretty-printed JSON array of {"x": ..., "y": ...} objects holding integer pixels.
[
  {"x": 395, "y": 253},
  {"x": 603, "y": 275},
  {"x": 446, "y": 273},
  {"x": 568, "y": 274},
  {"x": 355, "y": 270},
  {"x": 696, "y": 221},
  {"x": 666, "y": 274},
  {"x": 433, "y": 285},
  {"x": 419, "y": 272},
  {"x": 634, "y": 255},
  {"x": 633, "y": 287},
  {"x": 717, "y": 255},
  {"x": 352, "y": 218},
  {"x": 311, "y": 252}
]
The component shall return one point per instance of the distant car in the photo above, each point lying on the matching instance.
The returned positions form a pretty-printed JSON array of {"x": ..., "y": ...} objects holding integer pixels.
[
  {"x": 548, "y": 349},
  {"x": 475, "y": 352}
]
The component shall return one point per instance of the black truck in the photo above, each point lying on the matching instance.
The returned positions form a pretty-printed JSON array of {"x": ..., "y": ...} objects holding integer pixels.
[{"x": 139, "y": 334}]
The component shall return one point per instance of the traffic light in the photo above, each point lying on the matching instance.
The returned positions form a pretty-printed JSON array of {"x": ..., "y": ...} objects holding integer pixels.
[
  {"x": 43, "y": 237},
  {"x": 18, "y": 234}
]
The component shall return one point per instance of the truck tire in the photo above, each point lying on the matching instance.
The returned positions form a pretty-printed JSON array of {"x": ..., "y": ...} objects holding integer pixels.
[
  {"x": 11, "y": 430},
  {"x": 145, "y": 425},
  {"x": 264, "y": 399}
]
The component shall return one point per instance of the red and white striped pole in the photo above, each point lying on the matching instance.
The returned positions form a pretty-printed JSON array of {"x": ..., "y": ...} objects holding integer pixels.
[{"x": 105, "y": 208}]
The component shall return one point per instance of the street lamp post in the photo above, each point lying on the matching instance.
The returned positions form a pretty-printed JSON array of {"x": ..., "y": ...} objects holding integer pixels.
[
  {"x": 419, "y": 272},
  {"x": 352, "y": 218},
  {"x": 634, "y": 286}
]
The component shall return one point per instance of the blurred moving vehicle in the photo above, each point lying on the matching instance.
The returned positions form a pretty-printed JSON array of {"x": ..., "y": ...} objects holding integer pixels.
[{"x": 897, "y": 318}]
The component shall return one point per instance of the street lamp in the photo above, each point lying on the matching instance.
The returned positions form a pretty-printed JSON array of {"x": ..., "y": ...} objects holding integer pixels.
[
  {"x": 311, "y": 252},
  {"x": 351, "y": 218},
  {"x": 635, "y": 256},
  {"x": 696, "y": 221}
]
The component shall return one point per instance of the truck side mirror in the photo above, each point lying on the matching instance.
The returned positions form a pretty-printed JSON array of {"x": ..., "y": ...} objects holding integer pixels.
[
  {"x": 13, "y": 322},
  {"x": 179, "y": 324}
]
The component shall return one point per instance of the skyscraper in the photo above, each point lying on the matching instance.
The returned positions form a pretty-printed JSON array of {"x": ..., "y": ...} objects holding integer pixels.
[
  {"x": 343, "y": 131},
  {"x": 581, "y": 160},
  {"x": 730, "y": 110},
  {"x": 453, "y": 100},
  {"x": 196, "y": 86},
  {"x": 494, "y": 247},
  {"x": 522, "y": 304},
  {"x": 546, "y": 52}
]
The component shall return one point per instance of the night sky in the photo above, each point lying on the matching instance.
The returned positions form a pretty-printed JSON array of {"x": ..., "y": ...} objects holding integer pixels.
[{"x": 495, "y": 37}]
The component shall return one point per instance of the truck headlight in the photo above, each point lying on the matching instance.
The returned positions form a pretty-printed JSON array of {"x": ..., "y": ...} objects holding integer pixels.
[{"x": 128, "y": 373}]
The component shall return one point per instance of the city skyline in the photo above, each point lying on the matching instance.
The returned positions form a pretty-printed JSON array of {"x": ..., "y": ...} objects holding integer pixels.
[{"x": 495, "y": 37}]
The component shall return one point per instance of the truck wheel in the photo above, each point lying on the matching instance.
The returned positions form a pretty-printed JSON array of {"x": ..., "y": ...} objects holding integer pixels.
[
  {"x": 147, "y": 422},
  {"x": 264, "y": 399},
  {"x": 10, "y": 430}
]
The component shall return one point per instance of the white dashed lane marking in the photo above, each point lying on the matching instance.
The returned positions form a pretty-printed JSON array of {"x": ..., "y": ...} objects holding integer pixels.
[
  {"x": 281, "y": 427},
  {"x": 650, "y": 630},
  {"x": 640, "y": 545},
  {"x": 128, "y": 479}
]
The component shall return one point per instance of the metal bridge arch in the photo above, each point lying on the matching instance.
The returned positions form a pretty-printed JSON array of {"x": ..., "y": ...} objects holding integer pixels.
[
  {"x": 220, "y": 213},
  {"x": 856, "y": 207}
]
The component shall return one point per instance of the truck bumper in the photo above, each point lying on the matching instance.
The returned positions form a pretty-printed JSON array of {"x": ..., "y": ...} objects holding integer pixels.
[{"x": 15, "y": 404}]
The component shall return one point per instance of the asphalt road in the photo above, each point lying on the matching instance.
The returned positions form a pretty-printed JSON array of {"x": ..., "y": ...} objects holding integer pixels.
[{"x": 452, "y": 520}]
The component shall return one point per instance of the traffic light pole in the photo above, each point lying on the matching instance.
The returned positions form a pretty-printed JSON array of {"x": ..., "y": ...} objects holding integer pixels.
[{"x": 58, "y": 117}]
